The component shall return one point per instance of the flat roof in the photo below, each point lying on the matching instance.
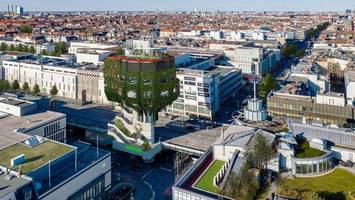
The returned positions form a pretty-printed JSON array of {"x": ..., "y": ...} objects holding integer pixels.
[
  {"x": 15, "y": 102},
  {"x": 199, "y": 140},
  {"x": 11, "y": 123},
  {"x": 9, "y": 186},
  {"x": 34, "y": 156}
]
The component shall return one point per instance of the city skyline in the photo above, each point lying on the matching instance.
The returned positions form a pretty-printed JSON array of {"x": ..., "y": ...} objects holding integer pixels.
[{"x": 184, "y": 5}]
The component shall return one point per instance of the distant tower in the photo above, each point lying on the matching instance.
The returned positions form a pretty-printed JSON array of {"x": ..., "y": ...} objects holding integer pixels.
[{"x": 255, "y": 111}]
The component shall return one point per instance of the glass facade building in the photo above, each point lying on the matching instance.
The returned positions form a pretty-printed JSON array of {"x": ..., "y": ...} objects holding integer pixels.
[{"x": 312, "y": 166}]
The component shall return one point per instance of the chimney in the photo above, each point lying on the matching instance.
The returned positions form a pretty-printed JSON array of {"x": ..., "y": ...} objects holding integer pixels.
[
  {"x": 8, "y": 9},
  {"x": 12, "y": 9}
]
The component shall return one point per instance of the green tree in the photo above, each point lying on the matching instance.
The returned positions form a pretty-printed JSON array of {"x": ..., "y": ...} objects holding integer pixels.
[
  {"x": 26, "y": 48},
  {"x": 260, "y": 152},
  {"x": 15, "y": 85},
  {"x": 267, "y": 84},
  {"x": 26, "y": 87},
  {"x": 43, "y": 52},
  {"x": 120, "y": 52},
  {"x": 19, "y": 47},
  {"x": 53, "y": 91},
  {"x": 60, "y": 48},
  {"x": 4, "y": 85},
  {"x": 3, "y": 46},
  {"x": 241, "y": 186},
  {"x": 12, "y": 48},
  {"x": 26, "y": 29},
  {"x": 32, "y": 49},
  {"x": 36, "y": 89}
]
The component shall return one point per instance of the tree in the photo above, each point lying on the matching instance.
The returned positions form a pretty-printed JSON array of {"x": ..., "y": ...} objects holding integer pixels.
[
  {"x": 12, "y": 48},
  {"x": 36, "y": 89},
  {"x": 60, "y": 48},
  {"x": 43, "y": 52},
  {"x": 32, "y": 49},
  {"x": 26, "y": 29},
  {"x": 120, "y": 52},
  {"x": 260, "y": 152},
  {"x": 267, "y": 84},
  {"x": 4, "y": 85},
  {"x": 241, "y": 186},
  {"x": 54, "y": 91},
  {"x": 15, "y": 85},
  {"x": 3, "y": 46},
  {"x": 26, "y": 48},
  {"x": 26, "y": 87},
  {"x": 19, "y": 47}
]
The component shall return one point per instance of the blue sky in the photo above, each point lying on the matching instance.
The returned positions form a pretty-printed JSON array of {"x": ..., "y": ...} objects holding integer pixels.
[{"x": 238, "y": 5}]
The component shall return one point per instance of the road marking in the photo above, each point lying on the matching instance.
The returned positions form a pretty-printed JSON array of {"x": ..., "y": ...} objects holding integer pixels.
[
  {"x": 145, "y": 175},
  {"x": 166, "y": 169}
]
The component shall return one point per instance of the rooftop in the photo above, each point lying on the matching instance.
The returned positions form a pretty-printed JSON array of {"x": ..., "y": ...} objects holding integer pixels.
[
  {"x": 8, "y": 186},
  {"x": 13, "y": 123},
  {"x": 199, "y": 140},
  {"x": 15, "y": 102},
  {"x": 34, "y": 156}
]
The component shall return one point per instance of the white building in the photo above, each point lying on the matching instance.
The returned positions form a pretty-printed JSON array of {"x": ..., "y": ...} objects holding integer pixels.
[
  {"x": 46, "y": 72},
  {"x": 204, "y": 86},
  {"x": 76, "y": 45},
  {"x": 331, "y": 98},
  {"x": 349, "y": 78}
]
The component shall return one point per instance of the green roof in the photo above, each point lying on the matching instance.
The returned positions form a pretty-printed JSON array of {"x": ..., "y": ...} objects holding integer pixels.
[
  {"x": 206, "y": 181},
  {"x": 306, "y": 151},
  {"x": 34, "y": 157}
]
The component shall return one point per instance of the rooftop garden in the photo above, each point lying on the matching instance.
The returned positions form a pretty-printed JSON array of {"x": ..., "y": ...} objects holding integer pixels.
[
  {"x": 338, "y": 185},
  {"x": 34, "y": 157},
  {"x": 206, "y": 181},
  {"x": 305, "y": 151}
]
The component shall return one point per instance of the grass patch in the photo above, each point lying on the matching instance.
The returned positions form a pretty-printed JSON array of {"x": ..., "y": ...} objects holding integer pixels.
[
  {"x": 206, "y": 182},
  {"x": 334, "y": 186},
  {"x": 306, "y": 151},
  {"x": 119, "y": 124},
  {"x": 35, "y": 157}
]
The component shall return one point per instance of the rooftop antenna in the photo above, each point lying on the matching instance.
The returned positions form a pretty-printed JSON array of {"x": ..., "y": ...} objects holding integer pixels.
[
  {"x": 49, "y": 174},
  {"x": 254, "y": 79},
  {"x": 97, "y": 146}
]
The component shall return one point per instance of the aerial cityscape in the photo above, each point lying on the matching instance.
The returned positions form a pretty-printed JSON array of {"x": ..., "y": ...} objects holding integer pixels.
[{"x": 177, "y": 100}]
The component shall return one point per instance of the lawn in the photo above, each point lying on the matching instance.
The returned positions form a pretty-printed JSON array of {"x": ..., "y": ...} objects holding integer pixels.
[
  {"x": 206, "y": 182},
  {"x": 335, "y": 185},
  {"x": 307, "y": 152},
  {"x": 34, "y": 157}
]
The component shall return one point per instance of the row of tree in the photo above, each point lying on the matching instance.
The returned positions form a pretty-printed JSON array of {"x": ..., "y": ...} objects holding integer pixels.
[
  {"x": 5, "y": 86},
  {"x": 20, "y": 47},
  {"x": 59, "y": 48}
]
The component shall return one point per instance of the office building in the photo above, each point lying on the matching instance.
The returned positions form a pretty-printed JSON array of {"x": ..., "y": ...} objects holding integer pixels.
[
  {"x": 23, "y": 117},
  {"x": 204, "y": 87},
  {"x": 33, "y": 167}
]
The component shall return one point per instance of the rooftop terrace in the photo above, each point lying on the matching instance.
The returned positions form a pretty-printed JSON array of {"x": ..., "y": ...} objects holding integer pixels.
[{"x": 34, "y": 157}]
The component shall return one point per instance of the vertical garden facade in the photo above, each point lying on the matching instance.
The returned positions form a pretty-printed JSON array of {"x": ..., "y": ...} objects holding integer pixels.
[{"x": 145, "y": 84}]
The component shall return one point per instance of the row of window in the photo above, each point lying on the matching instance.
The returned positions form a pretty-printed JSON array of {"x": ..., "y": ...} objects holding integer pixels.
[
  {"x": 52, "y": 128},
  {"x": 93, "y": 192},
  {"x": 313, "y": 168},
  {"x": 58, "y": 137}
]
